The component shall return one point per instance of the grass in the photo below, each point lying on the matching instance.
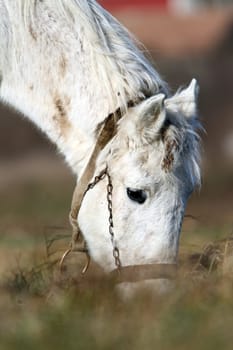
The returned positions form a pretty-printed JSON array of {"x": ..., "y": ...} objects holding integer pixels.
[
  {"x": 45, "y": 310},
  {"x": 40, "y": 309},
  {"x": 197, "y": 314}
]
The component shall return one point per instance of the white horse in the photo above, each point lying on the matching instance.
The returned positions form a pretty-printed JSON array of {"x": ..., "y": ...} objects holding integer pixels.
[{"x": 68, "y": 65}]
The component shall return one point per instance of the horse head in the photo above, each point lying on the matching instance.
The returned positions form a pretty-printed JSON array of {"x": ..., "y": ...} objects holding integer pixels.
[{"x": 153, "y": 164}]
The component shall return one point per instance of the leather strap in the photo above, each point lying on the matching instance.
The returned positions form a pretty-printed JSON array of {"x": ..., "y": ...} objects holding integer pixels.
[
  {"x": 107, "y": 132},
  {"x": 136, "y": 273}
]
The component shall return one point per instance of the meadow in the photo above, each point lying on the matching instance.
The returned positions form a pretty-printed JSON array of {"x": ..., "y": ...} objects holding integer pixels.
[{"x": 42, "y": 309}]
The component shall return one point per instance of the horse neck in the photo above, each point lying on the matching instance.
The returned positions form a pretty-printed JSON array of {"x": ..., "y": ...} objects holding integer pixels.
[
  {"x": 57, "y": 87},
  {"x": 69, "y": 116},
  {"x": 56, "y": 74}
]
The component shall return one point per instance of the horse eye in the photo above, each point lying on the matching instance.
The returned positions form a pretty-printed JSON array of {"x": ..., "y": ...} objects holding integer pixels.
[{"x": 138, "y": 196}]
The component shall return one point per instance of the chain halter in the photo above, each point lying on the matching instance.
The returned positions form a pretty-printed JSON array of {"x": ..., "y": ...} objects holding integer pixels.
[
  {"x": 107, "y": 131},
  {"x": 131, "y": 273},
  {"x": 77, "y": 232},
  {"x": 116, "y": 253}
]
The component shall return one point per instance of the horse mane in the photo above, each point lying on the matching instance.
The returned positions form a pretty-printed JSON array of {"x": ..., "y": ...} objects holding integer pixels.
[{"x": 122, "y": 67}]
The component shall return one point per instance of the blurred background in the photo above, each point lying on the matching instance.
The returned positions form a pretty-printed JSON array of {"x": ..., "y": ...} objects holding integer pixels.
[
  {"x": 43, "y": 309},
  {"x": 185, "y": 39}
]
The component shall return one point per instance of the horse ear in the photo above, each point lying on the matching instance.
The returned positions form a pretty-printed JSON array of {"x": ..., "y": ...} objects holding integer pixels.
[
  {"x": 155, "y": 124},
  {"x": 185, "y": 100},
  {"x": 152, "y": 113},
  {"x": 144, "y": 122}
]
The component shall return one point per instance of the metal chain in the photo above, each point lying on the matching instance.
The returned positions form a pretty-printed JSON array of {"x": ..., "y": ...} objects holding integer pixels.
[
  {"x": 98, "y": 178},
  {"x": 116, "y": 252},
  {"x": 76, "y": 231},
  {"x": 73, "y": 221}
]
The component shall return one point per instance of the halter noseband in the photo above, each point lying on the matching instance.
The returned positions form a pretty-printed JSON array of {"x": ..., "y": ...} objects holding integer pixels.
[{"x": 121, "y": 273}]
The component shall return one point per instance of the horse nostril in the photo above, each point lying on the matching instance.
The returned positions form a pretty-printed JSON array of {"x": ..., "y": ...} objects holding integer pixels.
[{"x": 138, "y": 196}]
